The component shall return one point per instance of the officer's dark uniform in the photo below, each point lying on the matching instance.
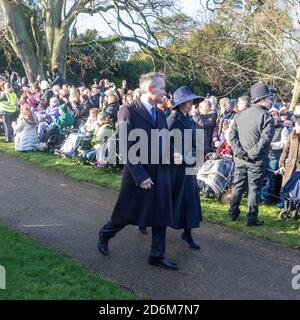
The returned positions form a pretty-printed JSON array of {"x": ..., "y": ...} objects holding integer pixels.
[{"x": 250, "y": 137}]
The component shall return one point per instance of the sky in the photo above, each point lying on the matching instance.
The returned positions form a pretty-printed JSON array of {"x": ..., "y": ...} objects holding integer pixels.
[{"x": 84, "y": 21}]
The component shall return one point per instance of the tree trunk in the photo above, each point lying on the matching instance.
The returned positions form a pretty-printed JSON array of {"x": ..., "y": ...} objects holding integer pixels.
[
  {"x": 21, "y": 39},
  {"x": 296, "y": 90},
  {"x": 59, "y": 51},
  {"x": 52, "y": 24}
]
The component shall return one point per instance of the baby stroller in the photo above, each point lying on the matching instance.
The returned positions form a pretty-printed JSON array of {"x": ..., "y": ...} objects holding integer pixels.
[
  {"x": 56, "y": 140},
  {"x": 291, "y": 195},
  {"x": 70, "y": 146},
  {"x": 216, "y": 174}
]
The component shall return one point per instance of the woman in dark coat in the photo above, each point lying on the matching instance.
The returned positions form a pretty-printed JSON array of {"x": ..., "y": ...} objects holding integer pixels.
[{"x": 185, "y": 192}]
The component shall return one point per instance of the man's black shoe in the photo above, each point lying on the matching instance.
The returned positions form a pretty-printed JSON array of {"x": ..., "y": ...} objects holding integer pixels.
[
  {"x": 102, "y": 246},
  {"x": 143, "y": 230},
  {"x": 164, "y": 263},
  {"x": 255, "y": 223}
]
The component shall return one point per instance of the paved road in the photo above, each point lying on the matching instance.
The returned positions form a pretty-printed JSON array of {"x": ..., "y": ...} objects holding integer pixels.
[{"x": 64, "y": 215}]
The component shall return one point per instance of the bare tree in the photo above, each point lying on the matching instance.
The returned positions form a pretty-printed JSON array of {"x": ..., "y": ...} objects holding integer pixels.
[
  {"x": 271, "y": 26},
  {"x": 38, "y": 30}
]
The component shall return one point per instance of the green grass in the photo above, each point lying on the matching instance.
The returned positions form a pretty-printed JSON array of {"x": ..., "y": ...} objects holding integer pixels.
[
  {"x": 276, "y": 230},
  {"x": 35, "y": 272},
  {"x": 283, "y": 232},
  {"x": 109, "y": 178}
]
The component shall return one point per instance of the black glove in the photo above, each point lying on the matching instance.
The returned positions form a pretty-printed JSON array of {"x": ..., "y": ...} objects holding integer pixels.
[{"x": 242, "y": 155}]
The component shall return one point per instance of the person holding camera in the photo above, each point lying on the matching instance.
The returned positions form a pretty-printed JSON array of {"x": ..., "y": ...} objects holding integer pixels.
[{"x": 250, "y": 136}]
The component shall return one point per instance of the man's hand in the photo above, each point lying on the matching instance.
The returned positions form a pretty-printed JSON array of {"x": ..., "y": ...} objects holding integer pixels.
[
  {"x": 280, "y": 171},
  {"x": 242, "y": 155},
  {"x": 147, "y": 184},
  {"x": 178, "y": 158}
]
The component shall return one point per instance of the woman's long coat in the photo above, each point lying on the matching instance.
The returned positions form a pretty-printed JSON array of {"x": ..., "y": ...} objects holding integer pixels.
[
  {"x": 136, "y": 206},
  {"x": 26, "y": 138},
  {"x": 290, "y": 157},
  {"x": 187, "y": 211}
]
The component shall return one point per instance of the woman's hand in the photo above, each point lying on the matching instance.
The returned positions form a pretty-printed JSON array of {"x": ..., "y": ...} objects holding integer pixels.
[{"x": 147, "y": 184}]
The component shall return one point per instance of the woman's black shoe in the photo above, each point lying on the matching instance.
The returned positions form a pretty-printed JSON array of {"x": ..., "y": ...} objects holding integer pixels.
[
  {"x": 143, "y": 230},
  {"x": 190, "y": 241}
]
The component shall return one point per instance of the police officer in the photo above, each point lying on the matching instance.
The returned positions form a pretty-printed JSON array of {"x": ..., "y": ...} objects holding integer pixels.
[{"x": 250, "y": 136}]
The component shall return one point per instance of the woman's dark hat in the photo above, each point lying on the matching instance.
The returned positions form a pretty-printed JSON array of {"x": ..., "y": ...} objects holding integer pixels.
[{"x": 184, "y": 94}]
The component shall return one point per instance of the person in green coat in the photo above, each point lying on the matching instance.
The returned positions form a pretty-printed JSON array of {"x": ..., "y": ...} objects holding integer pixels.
[{"x": 60, "y": 124}]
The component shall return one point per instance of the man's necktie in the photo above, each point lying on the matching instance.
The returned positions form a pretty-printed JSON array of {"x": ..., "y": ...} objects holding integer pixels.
[{"x": 153, "y": 114}]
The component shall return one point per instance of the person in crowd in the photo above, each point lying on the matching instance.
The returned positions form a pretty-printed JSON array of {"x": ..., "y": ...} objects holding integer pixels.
[
  {"x": 25, "y": 95},
  {"x": 94, "y": 96},
  {"x": 60, "y": 124},
  {"x": 102, "y": 133},
  {"x": 206, "y": 119},
  {"x": 128, "y": 98},
  {"x": 46, "y": 93},
  {"x": 91, "y": 124},
  {"x": 56, "y": 90},
  {"x": 74, "y": 104},
  {"x": 14, "y": 79},
  {"x": 145, "y": 197},
  {"x": 125, "y": 87},
  {"x": 227, "y": 113},
  {"x": 243, "y": 103},
  {"x": 58, "y": 78},
  {"x": 165, "y": 107},
  {"x": 250, "y": 136},
  {"x": 112, "y": 108},
  {"x": 84, "y": 110},
  {"x": 214, "y": 104},
  {"x": 33, "y": 99},
  {"x": 289, "y": 161},
  {"x": 279, "y": 140},
  {"x": 46, "y": 117},
  {"x": 187, "y": 213},
  {"x": 8, "y": 108},
  {"x": 24, "y": 82},
  {"x": 136, "y": 94},
  {"x": 64, "y": 95},
  {"x": 26, "y": 138},
  {"x": 285, "y": 114}
]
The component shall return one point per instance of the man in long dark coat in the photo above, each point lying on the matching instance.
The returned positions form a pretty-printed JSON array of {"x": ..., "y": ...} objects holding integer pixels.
[{"x": 145, "y": 198}]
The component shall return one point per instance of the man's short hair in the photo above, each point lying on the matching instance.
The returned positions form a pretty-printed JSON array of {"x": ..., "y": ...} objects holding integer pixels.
[
  {"x": 150, "y": 79},
  {"x": 245, "y": 99}
]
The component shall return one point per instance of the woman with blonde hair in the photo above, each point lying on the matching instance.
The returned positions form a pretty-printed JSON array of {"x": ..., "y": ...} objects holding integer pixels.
[
  {"x": 26, "y": 138},
  {"x": 74, "y": 102}
]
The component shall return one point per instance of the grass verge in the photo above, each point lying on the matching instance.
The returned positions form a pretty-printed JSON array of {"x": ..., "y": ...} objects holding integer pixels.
[{"x": 35, "y": 272}]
